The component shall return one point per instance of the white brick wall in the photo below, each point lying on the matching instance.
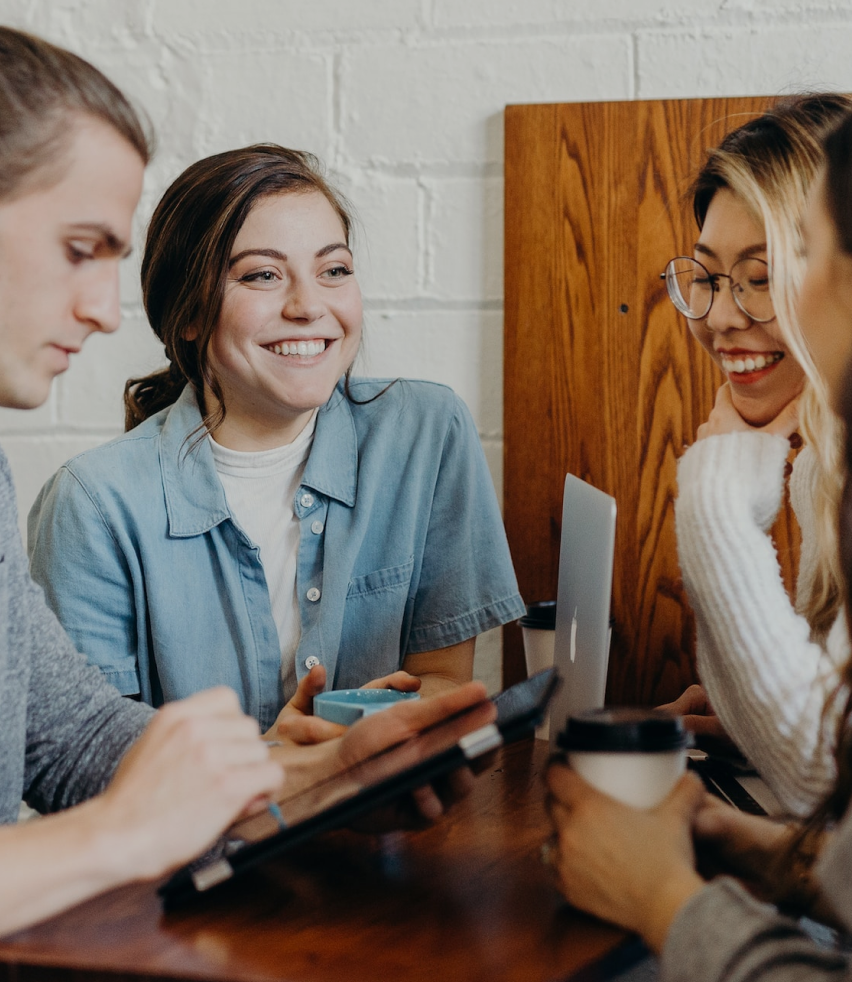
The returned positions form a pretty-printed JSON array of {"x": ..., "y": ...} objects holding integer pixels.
[{"x": 404, "y": 100}]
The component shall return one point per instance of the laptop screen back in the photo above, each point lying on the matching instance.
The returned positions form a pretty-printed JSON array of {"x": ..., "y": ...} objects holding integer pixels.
[{"x": 581, "y": 645}]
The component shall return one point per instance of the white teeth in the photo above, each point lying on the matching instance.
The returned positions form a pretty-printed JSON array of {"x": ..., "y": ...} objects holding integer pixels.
[
  {"x": 755, "y": 364},
  {"x": 302, "y": 349}
]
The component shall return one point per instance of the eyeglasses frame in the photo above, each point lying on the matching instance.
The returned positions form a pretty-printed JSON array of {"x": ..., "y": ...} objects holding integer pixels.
[{"x": 714, "y": 278}]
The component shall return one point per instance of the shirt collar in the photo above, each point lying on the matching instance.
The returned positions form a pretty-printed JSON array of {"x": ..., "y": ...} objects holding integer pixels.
[
  {"x": 195, "y": 498},
  {"x": 332, "y": 467}
]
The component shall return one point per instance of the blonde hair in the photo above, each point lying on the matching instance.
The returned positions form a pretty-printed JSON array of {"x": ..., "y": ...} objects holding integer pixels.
[{"x": 770, "y": 164}]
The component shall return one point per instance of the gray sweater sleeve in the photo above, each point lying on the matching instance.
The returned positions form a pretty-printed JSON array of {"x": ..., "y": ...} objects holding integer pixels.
[
  {"x": 722, "y": 934},
  {"x": 64, "y": 728}
]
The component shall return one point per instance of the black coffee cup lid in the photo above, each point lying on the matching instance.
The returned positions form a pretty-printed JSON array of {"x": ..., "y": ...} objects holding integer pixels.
[
  {"x": 624, "y": 730},
  {"x": 540, "y": 615}
]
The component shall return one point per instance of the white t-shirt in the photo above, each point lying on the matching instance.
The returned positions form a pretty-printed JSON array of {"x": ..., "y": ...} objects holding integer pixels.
[{"x": 260, "y": 487}]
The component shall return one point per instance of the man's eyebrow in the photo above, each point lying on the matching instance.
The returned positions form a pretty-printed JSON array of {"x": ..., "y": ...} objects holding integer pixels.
[
  {"x": 276, "y": 254},
  {"x": 751, "y": 250},
  {"x": 113, "y": 243}
]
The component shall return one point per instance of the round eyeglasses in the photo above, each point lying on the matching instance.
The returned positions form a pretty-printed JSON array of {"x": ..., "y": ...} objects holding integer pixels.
[{"x": 691, "y": 287}]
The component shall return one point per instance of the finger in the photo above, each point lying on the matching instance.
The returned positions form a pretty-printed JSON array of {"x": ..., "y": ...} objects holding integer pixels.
[
  {"x": 309, "y": 686},
  {"x": 218, "y": 701},
  {"x": 401, "y": 681},
  {"x": 703, "y": 725},
  {"x": 566, "y": 785},
  {"x": 427, "y": 803},
  {"x": 245, "y": 785},
  {"x": 454, "y": 786},
  {"x": 691, "y": 700},
  {"x": 724, "y": 397},
  {"x": 685, "y": 798},
  {"x": 206, "y": 738},
  {"x": 787, "y": 421},
  {"x": 309, "y": 729},
  {"x": 713, "y": 819},
  {"x": 420, "y": 713}
]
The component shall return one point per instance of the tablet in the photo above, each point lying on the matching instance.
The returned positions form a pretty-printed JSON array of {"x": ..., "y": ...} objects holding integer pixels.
[{"x": 340, "y": 799}]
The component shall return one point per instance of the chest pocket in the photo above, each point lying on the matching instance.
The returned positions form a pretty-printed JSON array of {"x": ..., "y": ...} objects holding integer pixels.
[
  {"x": 375, "y": 625},
  {"x": 393, "y": 579}
]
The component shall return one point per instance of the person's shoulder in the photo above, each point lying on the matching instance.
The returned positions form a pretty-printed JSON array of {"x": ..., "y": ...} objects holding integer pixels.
[
  {"x": 115, "y": 460},
  {"x": 402, "y": 394}
]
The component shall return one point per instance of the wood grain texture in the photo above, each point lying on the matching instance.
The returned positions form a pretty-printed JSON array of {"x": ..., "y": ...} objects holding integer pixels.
[
  {"x": 602, "y": 378},
  {"x": 465, "y": 901}
]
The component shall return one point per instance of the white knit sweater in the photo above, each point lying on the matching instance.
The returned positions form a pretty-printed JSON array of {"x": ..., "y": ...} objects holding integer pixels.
[{"x": 767, "y": 678}]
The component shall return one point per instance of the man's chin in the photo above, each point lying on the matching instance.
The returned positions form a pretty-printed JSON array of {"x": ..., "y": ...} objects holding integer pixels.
[{"x": 17, "y": 396}]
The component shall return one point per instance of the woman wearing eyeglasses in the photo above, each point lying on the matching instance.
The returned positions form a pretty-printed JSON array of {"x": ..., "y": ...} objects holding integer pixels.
[
  {"x": 637, "y": 868},
  {"x": 767, "y": 665}
]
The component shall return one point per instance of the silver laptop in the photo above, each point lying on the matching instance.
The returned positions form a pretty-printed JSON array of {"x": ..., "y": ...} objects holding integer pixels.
[{"x": 581, "y": 645}]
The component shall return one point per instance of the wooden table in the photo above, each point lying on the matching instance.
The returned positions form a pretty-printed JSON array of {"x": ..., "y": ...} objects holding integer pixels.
[{"x": 467, "y": 900}]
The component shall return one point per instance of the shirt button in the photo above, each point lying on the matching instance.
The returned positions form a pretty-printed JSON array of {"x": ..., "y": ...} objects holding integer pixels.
[
  {"x": 306, "y": 500},
  {"x": 317, "y": 527},
  {"x": 313, "y": 594},
  {"x": 311, "y": 662}
]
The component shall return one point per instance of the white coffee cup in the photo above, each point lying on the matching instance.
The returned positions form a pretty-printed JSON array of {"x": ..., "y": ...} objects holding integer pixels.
[
  {"x": 634, "y": 755},
  {"x": 538, "y": 627}
]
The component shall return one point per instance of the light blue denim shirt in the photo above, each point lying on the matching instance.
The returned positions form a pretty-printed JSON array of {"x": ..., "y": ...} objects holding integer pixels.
[{"x": 402, "y": 550}]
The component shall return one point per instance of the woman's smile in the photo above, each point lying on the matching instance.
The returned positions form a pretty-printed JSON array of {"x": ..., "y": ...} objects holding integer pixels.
[{"x": 746, "y": 367}]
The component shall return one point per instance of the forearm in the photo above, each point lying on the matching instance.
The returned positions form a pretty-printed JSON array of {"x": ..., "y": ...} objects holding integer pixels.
[
  {"x": 52, "y": 863},
  {"x": 765, "y": 679},
  {"x": 659, "y": 913},
  {"x": 442, "y": 669}
]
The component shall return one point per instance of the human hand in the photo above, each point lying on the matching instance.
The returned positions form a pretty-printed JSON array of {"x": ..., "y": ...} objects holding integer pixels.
[
  {"x": 724, "y": 418},
  {"x": 296, "y": 723},
  {"x": 378, "y": 732},
  {"x": 757, "y": 851},
  {"x": 375, "y": 733},
  {"x": 632, "y": 867},
  {"x": 198, "y": 766},
  {"x": 698, "y": 715}
]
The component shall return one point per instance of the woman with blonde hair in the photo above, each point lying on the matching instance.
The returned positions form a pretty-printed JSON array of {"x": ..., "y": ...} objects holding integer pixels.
[
  {"x": 767, "y": 665},
  {"x": 638, "y": 868}
]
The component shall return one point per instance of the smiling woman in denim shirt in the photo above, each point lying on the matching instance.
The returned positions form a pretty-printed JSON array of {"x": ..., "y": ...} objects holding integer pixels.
[{"x": 268, "y": 522}]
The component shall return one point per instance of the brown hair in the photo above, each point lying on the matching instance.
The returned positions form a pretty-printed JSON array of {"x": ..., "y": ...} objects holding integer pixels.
[
  {"x": 43, "y": 90},
  {"x": 805, "y": 846},
  {"x": 185, "y": 265},
  {"x": 838, "y": 200}
]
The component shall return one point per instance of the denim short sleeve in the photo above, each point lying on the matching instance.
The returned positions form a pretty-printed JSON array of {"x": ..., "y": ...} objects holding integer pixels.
[
  {"x": 76, "y": 559},
  {"x": 467, "y": 584}
]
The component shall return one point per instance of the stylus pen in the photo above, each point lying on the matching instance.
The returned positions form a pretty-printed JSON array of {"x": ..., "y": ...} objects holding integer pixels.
[{"x": 275, "y": 812}]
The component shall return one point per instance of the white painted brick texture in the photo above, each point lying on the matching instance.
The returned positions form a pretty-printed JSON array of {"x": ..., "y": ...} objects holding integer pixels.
[{"x": 404, "y": 100}]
